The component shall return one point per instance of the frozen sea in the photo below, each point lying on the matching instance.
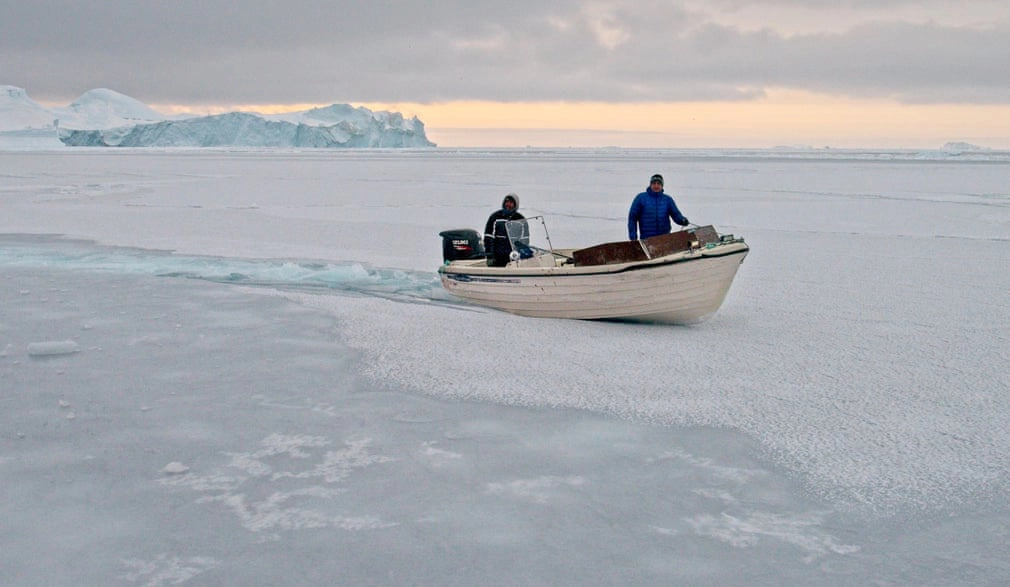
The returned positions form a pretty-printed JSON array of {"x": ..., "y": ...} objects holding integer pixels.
[{"x": 239, "y": 368}]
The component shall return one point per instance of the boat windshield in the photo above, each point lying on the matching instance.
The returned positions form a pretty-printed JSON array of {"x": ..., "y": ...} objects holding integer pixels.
[
  {"x": 519, "y": 238},
  {"x": 525, "y": 241},
  {"x": 518, "y": 231}
]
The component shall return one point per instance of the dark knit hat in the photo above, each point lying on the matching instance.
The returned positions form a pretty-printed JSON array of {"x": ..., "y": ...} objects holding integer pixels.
[{"x": 658, "y": 178}]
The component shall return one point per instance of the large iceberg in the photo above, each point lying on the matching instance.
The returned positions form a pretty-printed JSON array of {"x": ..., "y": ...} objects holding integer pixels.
[
  {"x": 105, "y": 118},
  {"x": 240, "y": 129}
]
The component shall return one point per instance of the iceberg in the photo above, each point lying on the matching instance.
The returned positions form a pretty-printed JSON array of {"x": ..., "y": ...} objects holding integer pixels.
[
  {"x": 106, "y": 118},
  {"x": 241, "y": 129},
  {"x": 101, "y": 108},
  {"x": 958, "y": 147},
  {"x": 18, "y": 112},
  {"x": 98, "y": 108}
]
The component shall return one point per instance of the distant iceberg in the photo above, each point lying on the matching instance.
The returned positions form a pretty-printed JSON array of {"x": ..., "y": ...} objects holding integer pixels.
[
  {"x": 106, "y": 118},
  {"x": 961, "y": 147}
]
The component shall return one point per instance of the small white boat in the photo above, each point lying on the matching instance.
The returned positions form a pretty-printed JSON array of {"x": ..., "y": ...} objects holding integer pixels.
[{"x": 676, "y": 278}]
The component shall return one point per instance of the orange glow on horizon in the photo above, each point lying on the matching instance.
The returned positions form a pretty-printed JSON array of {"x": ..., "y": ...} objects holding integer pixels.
[{"x": 782, "y": 118}]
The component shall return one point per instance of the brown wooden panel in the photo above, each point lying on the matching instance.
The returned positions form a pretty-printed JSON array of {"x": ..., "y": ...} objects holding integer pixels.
[
  {"x": 706, "y": 234},
  {"x": 664, "y": 244},
  {"x": 658, "y": 246},
  {"x": 610, "y": 253}
]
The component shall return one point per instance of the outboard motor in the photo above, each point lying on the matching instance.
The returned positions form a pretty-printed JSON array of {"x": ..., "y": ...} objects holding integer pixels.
[{"x": 461, "y": 243}]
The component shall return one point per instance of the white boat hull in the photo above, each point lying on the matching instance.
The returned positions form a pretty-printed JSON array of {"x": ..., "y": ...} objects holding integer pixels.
[{"x": 683, "y": 288}]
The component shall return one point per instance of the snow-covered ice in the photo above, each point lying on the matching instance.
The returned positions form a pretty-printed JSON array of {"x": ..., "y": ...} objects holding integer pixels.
[
  {"x": 52, "y": 347},
  {"x": 238, "y": 367}
]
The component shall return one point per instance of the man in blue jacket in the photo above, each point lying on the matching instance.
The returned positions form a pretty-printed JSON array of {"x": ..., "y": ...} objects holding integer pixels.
[{"x": 651, "y": 212}]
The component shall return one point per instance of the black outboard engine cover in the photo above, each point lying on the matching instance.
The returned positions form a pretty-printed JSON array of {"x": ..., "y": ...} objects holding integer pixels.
[{"x": 461, "y": 243}]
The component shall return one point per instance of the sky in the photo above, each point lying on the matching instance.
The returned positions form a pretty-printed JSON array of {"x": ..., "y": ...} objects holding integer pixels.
[{"x": 623, "y": 72}]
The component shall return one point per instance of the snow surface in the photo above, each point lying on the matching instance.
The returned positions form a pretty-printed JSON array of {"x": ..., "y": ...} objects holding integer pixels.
[
  {"x": 106, "y": 118},
  {"x": 238, "y": 367}
]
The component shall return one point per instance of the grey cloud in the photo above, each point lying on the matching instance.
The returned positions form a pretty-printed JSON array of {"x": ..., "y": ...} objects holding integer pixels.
[{"x": 323, "y": 51}]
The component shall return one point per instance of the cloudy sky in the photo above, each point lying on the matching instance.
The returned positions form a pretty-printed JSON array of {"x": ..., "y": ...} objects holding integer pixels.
[{"x": 673, "y": 73}]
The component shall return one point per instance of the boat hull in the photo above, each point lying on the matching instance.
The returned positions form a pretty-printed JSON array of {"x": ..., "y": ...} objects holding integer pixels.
[{"x": 682, "y": 288}]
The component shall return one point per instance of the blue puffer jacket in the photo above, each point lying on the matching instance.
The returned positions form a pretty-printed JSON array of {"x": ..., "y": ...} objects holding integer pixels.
[{"x": 650, "y": 215}]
